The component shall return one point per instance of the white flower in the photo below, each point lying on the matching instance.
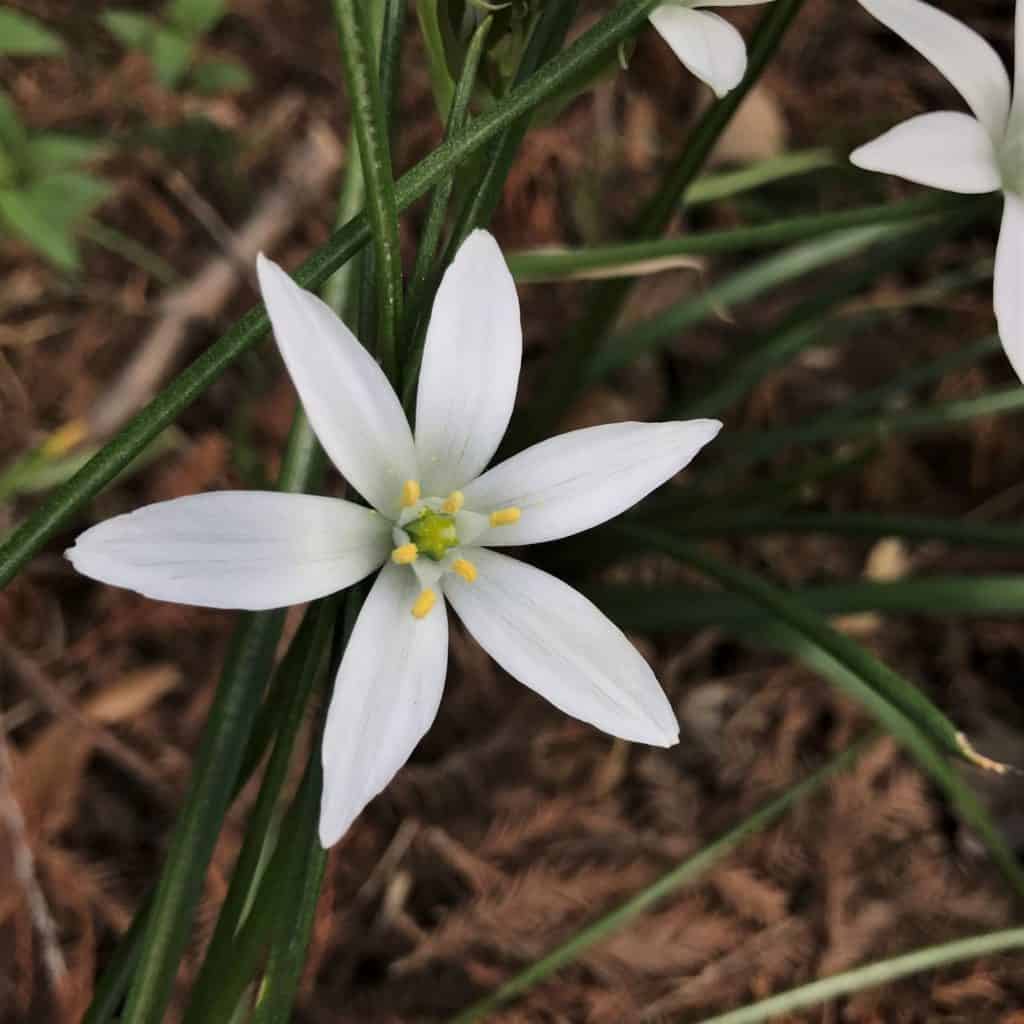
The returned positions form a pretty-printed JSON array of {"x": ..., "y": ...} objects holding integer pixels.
[
  {"x": 435, "y": 517},
  {"x": 706, "y": 44},
  {"x": 959, "y": 153}
]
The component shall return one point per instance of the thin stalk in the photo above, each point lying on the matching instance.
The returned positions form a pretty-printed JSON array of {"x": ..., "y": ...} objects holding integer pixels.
[
  {"x": 217, "y": 764},
  {"x": 423, "y": 272},
  {"x": 710, "y": 188},
  {"x": 589, "y": 49},
  {"x": 685, "y": 873},
  {"x": 873, "y": 975},
  {"x": 305, "y": 658},
  {"x": 605, "y": 301},
  {"x": 898, "y": 705},
  {"x": 362, "y": 72},
  {"x": 631, "y": 258}
]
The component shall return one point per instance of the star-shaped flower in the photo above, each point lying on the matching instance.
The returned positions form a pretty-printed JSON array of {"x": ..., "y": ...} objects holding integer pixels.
[
  {"x": 953, "y": 151},
  {"x": 435, "y": 518},
  {"x": 707, "y": 44}
]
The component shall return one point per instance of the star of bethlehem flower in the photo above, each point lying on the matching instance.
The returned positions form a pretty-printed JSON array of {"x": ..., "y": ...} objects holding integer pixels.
[
  {"x": 953, "y": 151},
  {"x": 706, "y": 43},
  {"x": 434, "y": 520}
]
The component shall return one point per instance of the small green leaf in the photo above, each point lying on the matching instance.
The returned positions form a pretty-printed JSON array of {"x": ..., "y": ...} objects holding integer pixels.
[
  {"x": 437, "y": 58},
  {"x": 171, "y": 53},
  {"x": 24, "y": 217},
  {"x": 219, "y": 76},
  {"x": 22, "y": 36},
  {"x": 13, "y": 140},
  {"x": 57, "y": 152},
  {"x": 194, "y": 17},
  {"x": 69, "y": 195},
  {"x": 132, "y": 30}
]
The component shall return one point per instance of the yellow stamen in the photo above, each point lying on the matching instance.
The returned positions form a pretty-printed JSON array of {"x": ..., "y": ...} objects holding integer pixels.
[
  {"x": 453, "y": 503},
  {"x": 405, "y": 555},
  {"x": 410, "y": 493},
  {"x": 424, "y": 603},
  {"x": 61, "y": 441},
  {"x": 465, "y": 569},
  {"x": 505, "y": 517}
]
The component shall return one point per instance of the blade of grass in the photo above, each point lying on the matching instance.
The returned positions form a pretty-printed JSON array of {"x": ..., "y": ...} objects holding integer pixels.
[
  {"x": 685, "y": 873},
  {"x": 710, "y": 188},
  {"x": 362, "y": 73},
  {"x": 898, "y": 705},
  {"x": 628, "y": 258},
  {"x": 295, "y": 922},
  {"x": 587, "y": 50},
  {"x": 305, "y": 657},
  {"x": 561, "y": 383},
  {"x": 872, "y": 975},
  {"x": 217, "y": 763}
]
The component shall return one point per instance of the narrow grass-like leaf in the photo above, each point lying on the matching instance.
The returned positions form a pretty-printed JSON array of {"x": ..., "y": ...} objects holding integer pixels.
[
  {"x": 897, "y": 704},
  {"x": 628, "y": 258},
  {"x": 562, "y": 382},
  {"x": 301, "y": 668},
  {"x": 872, "y": 975},
  {"x": 24, "y": 36},
  {"x": 362, "y": 74},
  {"x": 685, "y": 873},
  {"x": 217, "y": 764},
  {"x": 710, "y": 188},
  {"x": 587, "y": 50}
]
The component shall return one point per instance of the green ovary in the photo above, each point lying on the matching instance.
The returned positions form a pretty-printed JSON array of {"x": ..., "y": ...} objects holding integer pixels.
[{"x": 433, "y": 533}]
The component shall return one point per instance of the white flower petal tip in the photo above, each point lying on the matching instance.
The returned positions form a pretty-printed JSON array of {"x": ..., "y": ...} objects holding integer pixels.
[
  {"x": 248, "y": 550},
  {"x": 1009, "y": 282},
  {"x": 350, "y": 403},
  {"x": 470, "y": 371},
  {"x": 581, "y": 479},
  {"x": 946, "y": 150},
  {"x": 385, "y": 698},
  {"x": 555, "y": 641},
  {"x": 965, "y": 58},
  {"x": 707, "y": 45}
]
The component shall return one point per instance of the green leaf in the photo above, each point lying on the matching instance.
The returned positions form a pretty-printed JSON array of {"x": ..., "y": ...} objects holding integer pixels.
[
  {"x": 212, "y": 77},
  {"x": 132, "y": 30},
  {"x": 25, "y": 217},
  {"x": 53, "y": 151},
  {"x": 441, "y": 80},
  {"x": 194, "y": 17},
  {"x": 725, "y": 184},
  {"x": 13, "y": 142},
  {"x": 23, "y": 36},
  {"x": 68, "y": 196},
  {"x": 171, "y": 53}
]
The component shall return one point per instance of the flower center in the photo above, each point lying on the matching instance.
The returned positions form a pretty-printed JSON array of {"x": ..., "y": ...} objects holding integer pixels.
[{"x": 433, "y": 533}]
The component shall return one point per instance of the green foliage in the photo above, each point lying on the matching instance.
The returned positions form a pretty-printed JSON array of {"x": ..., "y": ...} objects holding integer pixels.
[
  {"x": 172, "y": 40},
  {"x": 24, "y": 36},
  {"x": 44, "y": 198}
]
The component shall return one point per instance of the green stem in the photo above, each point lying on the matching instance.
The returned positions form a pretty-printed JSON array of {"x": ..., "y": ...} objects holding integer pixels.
[
  {"x": 217, "y": 764},
  {"x": 631, "y": 258},
  {"x": 682, "y": 875},
  {"x": 724, "y": 184},
  {"x": 872, "y": 975},
  {"x": 362, "y": 72},
  {"x": 586, "y": 51}
]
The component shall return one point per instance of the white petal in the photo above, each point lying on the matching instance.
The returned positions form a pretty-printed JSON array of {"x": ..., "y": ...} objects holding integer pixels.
[
  {"x": 385, "y": 698},
  {"x": 574, "y": 481},
  {"x": 352, "y": 407},
  {"x": 706, "y": 44},
  {"x": 552, "y": 639},
  {"x": 946, "y": 150},
  {"x": 236, "y": 549},
  {"x": 970, "y": 64},
  {"x": 1009, "y": 282},
  {"x": 470, "y": 368}
]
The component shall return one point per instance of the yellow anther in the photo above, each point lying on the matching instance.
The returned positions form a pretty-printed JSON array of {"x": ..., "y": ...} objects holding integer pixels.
[
  {"x": 410, "y": 493},
  {"x": 453, "y": 503},
  {"x": 405, "y": 555},
  {"x": 424, "y": 603},
  {"x": 465, "y": 569},
  {"x": 62, "y": 440},
  {"x": 505, "y": 517}
]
